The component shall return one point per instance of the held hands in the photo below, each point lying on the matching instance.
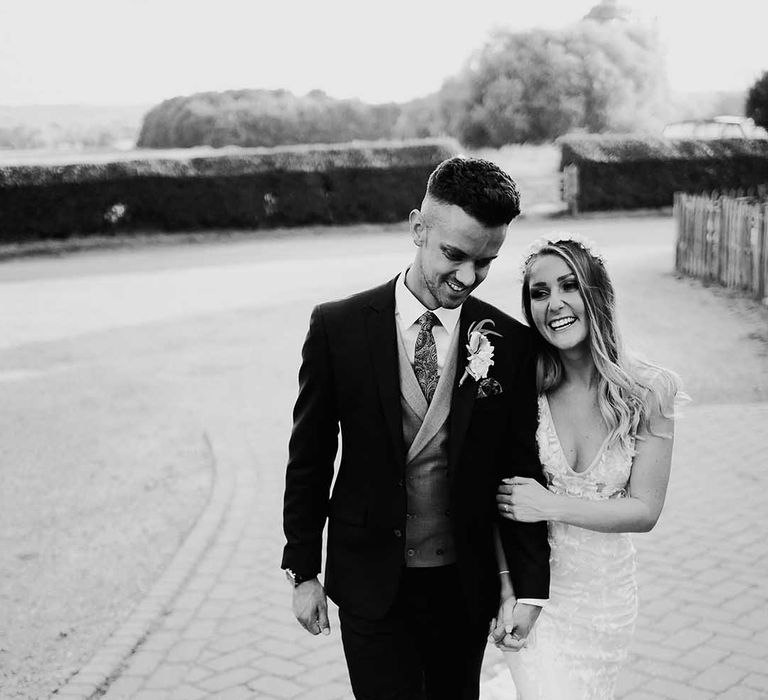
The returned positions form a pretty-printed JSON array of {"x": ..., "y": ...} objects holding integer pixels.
[
  {"x": 514, "y": 622},
  {"x": 311, "y": 607},
  {"x": 524, "y": 500},
  {"x": 500, "y": 632}
]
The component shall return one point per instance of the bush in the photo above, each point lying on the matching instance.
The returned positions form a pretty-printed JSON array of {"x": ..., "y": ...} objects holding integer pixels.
[
  {"x": 630, "y": 172},
  {"x": 253, "y": 188},
  {"x": 256, "y": 118}
]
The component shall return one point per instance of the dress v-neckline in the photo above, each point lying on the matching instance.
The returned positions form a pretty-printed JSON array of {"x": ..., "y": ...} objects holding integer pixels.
[{"x": 597, "y": 456}]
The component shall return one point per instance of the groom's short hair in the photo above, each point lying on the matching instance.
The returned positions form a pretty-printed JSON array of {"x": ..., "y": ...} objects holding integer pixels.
[{"x": 481, "y": 188}]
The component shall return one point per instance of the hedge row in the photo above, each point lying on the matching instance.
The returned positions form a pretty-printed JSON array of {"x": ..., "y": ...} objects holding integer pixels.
[
  {"x": 243, "y": 188},
  {"x": 268, "y": 118},
  {"x": 631, "y": 172}
]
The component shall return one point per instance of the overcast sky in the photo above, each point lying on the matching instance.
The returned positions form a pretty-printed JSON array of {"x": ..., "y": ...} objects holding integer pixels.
[{"x": 143, "y": 51}]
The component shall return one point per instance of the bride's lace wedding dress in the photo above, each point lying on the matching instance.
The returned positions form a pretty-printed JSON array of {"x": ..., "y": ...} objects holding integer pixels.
[{"x": 581, "y": 637}]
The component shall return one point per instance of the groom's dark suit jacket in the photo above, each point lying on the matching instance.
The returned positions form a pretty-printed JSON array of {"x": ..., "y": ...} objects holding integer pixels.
[{"x": 349, "y": 377}]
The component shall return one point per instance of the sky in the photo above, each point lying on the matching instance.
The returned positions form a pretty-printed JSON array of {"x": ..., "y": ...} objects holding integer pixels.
[{"x": 144, "y": 51}]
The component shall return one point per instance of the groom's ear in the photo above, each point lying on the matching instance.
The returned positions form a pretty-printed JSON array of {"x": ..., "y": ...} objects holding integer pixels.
[{"x": 417, "y": 226}]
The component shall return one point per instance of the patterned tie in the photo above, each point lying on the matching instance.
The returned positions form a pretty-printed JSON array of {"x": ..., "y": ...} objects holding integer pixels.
[{"x": 425, "y": 357}]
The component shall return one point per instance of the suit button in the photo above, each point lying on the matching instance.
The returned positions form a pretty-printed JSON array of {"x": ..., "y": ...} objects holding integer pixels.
[
  {"x": 398, "y": 533},
  {"x": 439, "y": 552},
  {"x": 411, "y": 552}
]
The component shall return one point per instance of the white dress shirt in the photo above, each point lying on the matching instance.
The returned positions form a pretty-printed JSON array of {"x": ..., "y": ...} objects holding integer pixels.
[{"x": 408, "y": 310}]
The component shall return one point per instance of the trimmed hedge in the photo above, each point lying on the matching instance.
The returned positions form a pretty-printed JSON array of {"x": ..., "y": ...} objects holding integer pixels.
[
  {"x": 264, "y": 118},
  {"x": 243, "y": 188},
  {"x": 631, "y": 172}
]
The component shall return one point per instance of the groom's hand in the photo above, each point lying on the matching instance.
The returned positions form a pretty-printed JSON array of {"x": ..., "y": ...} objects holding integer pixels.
[{"x": 311, "y": 607}]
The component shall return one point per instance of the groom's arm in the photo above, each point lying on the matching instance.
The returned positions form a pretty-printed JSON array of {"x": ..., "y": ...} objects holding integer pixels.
[
  {"x": 311, "y": 453},
  {"x": 525, "y": 544}
]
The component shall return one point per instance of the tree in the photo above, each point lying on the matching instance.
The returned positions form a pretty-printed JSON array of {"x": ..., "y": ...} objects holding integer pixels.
[
  {"x": 608, "y": 11},
  {"x": 757, "y": 101},
  {"x": 537, "y": 85}
]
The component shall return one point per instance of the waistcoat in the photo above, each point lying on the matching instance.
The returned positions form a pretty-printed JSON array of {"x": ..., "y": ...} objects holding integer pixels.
[{"x": 428, "y": 533}]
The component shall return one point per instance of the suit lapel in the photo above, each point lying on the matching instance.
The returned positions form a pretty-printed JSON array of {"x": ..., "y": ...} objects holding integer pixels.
[
  {"x": 382, "y": 344},
  {"x": 409, "y": 385},
  {"x": 438, "y": 410},
  {"x": 463, "y": 396}
]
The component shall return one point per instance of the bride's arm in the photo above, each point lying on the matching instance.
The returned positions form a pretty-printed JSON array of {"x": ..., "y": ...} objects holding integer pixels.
[
  {"x": 525, "y": 500},
  {"x": 507, "y": 589},
  {"x": 501, "y": 625}
]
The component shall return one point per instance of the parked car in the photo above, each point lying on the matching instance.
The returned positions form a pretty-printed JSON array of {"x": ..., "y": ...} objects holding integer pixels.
[{"x": 724, "y": 127}]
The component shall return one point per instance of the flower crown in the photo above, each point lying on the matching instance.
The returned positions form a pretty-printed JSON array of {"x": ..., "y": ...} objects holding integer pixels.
[{"x": 553, "y": 239}]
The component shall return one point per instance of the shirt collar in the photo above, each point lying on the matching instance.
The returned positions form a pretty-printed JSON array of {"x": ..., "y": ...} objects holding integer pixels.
[{"x": 409, "y": 308}]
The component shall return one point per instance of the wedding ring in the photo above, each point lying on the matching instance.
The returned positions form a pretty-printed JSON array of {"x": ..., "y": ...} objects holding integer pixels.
[{"x": 506, "y": 508}]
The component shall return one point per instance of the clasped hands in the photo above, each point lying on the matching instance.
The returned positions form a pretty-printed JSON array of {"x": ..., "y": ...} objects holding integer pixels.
[
  {"x": 524, "y": 500},
  {"x": 510, "y": 628}
]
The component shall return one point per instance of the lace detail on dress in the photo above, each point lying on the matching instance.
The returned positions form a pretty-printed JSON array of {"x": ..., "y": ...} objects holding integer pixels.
[
  {"x": 606, "y": 477},
  {"x": 582, "y": 635}
]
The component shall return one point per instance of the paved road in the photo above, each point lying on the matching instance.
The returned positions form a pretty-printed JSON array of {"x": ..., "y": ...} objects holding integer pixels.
[{"x": 217, "y": 623}]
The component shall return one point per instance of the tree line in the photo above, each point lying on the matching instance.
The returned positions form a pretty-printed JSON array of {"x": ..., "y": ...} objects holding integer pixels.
[
  {"x": 603, "y": 74},
  {"x": 528, "y": 86}
]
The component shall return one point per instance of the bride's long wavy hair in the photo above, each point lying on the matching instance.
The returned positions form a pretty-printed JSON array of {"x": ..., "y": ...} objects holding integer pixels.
[{"x": 628, "y": 390}]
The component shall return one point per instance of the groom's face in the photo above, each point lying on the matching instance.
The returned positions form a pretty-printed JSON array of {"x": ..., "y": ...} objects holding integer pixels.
[{"x": 454, "y": 253}]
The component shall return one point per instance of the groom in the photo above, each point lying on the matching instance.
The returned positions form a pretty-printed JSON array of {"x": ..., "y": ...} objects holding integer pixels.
[{"x": 427, "y": 435}]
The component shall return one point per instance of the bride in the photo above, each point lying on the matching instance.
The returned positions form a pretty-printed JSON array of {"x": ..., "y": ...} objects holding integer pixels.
[{"x": 605, "y": 443}]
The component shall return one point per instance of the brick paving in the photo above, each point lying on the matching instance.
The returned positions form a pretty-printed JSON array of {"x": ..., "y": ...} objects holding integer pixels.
[
  {"x": 227, "y": 631},
  {"x": 218, "y": 624}
]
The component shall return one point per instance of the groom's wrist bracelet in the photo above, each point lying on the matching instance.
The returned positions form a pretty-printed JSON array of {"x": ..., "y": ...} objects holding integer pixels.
[{"x": 501, "y": 573}]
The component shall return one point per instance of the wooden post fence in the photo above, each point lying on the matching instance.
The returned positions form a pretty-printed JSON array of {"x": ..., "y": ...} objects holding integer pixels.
[{"x": 723, "y": 238}]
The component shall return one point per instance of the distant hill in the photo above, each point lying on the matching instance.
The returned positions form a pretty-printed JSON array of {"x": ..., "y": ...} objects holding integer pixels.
[{"x": 70, "y": 127}]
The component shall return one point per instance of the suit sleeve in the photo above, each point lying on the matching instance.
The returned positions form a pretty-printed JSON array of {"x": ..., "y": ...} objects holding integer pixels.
[
  {"x": 311, "y": 454},
  {"x": 525, "y": 544}
]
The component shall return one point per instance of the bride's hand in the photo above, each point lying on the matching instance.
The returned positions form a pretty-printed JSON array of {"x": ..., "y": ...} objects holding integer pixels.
[
  {"x": 501, "y": 625},
  {"x": 524, "y": 500}
]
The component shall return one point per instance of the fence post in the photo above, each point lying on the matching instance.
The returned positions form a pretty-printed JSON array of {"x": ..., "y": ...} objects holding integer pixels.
[
  {"x": 762, "y": 254},
  {"x": 676, "y": 216},
  {"x": 571, "y": 188},
  {"x": 754, "y": 249},
  {"x": 679, "y": 214}
]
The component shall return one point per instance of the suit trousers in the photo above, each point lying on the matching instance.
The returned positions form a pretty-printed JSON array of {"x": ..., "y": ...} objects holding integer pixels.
[{"x": 426, "y": 647}]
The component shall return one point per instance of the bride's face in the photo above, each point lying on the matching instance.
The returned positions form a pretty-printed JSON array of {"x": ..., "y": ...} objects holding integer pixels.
[{"x": 557, "y": 306}]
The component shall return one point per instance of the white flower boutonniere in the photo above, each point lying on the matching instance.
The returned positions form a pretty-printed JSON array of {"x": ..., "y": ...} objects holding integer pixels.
[{"x": 480, "y": 349}]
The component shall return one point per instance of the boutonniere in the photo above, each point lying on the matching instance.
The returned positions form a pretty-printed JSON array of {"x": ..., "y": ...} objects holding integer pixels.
[{"x": 480, "y": 349}]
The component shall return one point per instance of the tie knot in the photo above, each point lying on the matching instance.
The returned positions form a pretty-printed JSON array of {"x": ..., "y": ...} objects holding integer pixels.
[{"x": 428, "y": 320}]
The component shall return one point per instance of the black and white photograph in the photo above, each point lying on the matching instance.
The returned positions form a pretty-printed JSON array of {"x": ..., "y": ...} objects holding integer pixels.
[{"x": 383, "y": 351}]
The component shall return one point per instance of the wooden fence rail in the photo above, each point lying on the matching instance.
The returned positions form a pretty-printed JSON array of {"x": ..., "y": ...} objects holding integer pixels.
[{"x": 724, "y": 239}]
